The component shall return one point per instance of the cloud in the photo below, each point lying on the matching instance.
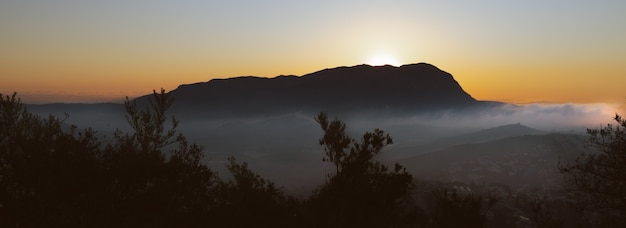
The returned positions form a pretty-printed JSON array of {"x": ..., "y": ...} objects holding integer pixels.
[
  {"x": 543, "y": 116},
  {"x": 557, "y": 116}
]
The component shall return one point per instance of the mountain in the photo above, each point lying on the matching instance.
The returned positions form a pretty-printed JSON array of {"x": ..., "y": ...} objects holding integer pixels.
[
  {"x": 406, "y": 90},
  {"x": 410, "y": 88}
]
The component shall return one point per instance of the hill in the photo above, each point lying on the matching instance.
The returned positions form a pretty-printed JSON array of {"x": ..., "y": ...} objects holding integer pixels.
[
  {"x": 481, "y": 136},
  {"x": 522, "y": 162}
]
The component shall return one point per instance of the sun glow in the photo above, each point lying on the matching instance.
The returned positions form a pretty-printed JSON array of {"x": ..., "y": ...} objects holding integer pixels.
[{"x": 383, "y": 59}]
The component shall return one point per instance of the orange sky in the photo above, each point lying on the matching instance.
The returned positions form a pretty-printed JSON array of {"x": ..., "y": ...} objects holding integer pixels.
[{"x": 74, "y": 51}]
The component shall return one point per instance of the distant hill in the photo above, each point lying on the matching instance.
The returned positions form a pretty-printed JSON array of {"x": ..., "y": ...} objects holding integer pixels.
[
  {"x": 528, "y": 161},
  {"x": 414, "y": 88},
  {"x": 61, "y": 108},
  {"x": 480, "y": 136},
  {"x": 104, "y": 117}
]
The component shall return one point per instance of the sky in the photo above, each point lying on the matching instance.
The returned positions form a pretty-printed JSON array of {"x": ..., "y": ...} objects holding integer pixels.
[{"x": 512, "y": 51}]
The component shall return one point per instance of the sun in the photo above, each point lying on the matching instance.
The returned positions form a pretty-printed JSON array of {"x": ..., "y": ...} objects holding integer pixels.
[{"x": 383, "y": 59}]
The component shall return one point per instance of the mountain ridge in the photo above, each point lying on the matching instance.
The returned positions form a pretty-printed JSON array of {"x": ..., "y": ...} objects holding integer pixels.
[
  {"x": 412, "y": 88},
  {"x": 476, "y": 137},
  {"x": 346, "y": 90}
]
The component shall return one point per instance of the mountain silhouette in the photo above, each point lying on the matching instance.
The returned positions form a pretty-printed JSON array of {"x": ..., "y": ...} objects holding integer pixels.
[
  {"x": 357, "y": 90},
  {"x": 410, "y": 88}
]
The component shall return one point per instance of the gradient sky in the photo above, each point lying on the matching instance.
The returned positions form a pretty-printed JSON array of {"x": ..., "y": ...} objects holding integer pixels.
[{"x": 514, "y": 51}]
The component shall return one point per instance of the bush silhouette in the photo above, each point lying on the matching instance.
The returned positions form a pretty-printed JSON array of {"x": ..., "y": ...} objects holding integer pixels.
[
  {"x": 249, "y": 200},
  {"x": 363, "y": 192},
  {"x": 598, "y": 179},
  {"x": 52, "y": 174}
]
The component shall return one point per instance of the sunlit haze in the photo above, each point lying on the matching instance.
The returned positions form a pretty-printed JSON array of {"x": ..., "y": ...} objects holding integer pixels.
[
  {"x": 512, "y": 51},
  {"x": 383, "y": 59}
]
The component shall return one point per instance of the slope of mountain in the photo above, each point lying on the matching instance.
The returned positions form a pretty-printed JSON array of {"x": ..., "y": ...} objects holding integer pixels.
[
  {"x": 528, "y": 161},
  {"x": 410, "y": 88}
]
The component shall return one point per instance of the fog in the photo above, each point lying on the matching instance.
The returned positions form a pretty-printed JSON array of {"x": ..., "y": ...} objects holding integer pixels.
[
  {"x": 284, "y": 148},
  {"x": 559, "y": 117}
]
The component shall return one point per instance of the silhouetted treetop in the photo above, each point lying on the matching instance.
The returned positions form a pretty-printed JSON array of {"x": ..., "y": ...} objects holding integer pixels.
[{"x": 362, "y": 191}]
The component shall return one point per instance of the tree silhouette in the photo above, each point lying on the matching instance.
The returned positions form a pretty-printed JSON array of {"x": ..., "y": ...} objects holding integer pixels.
[
  {"x": 598, "y": 179},
  {"x": 149, "y": 123},
  {"x": 363, "y": 192},
  {"x": 156, "y": 171}
]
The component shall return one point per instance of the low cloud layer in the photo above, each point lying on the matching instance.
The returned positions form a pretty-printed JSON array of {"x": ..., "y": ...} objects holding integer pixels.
[{"x": 559, "y": 117}]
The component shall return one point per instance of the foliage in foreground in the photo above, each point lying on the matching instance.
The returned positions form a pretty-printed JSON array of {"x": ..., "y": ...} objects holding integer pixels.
[
  {"x": 598, "y": 179},
  {"x": 362, "y": 192},
  {"x": 52, "y": 174}
]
